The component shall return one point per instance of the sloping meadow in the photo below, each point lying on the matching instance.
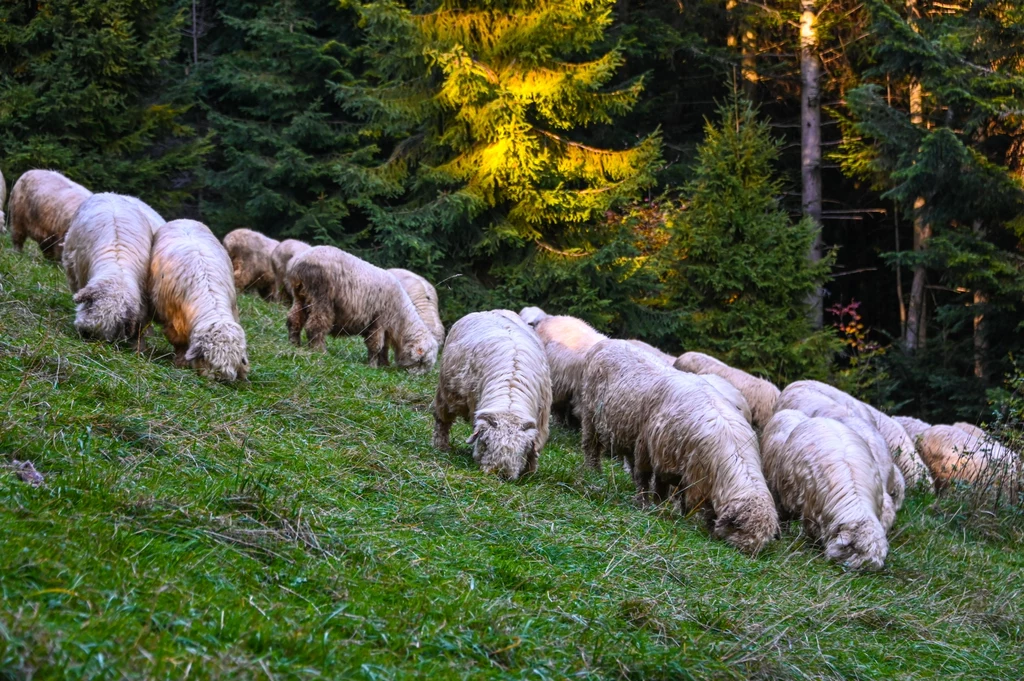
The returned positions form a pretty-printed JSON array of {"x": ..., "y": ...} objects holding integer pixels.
[{"x": 300, "y": 525}]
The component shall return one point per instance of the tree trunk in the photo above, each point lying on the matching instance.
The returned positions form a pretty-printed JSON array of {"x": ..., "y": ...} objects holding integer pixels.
[
  {"x": 917, "y": 318},
  {"x": 980, "y": 325},
  {"x": 749, "y": 70},
  {"x": 810, "y": 142}
]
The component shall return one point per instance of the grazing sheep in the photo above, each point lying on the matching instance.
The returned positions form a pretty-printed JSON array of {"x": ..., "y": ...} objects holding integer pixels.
[
  {"x": 730, "y": 393},
  {"x": 532, "y": 315},
  {"x": 825, "y": 473},
  {"x": 494, "y": 373},
  {"x": 280, "y": 257},
  {"x": 813, "y": 403},
  {"x": 955, "y": 454},
  {"x": 106, "y": 260},
  {"x": 913, "y": 426},
  {"x": 971, "y": 429},
  {"x": 759, "y": 393},
  {"x": 676, "y": 430},
  {"x": 566, "y": 341},
  {"x": 336, "y": 292},
  {"x": 192, "y": 291},
  {"x": 424, "y": 296},
  {"x": 250, "y": 260},
  {"x": 904, "y": 452},
  {"x": 43, "y": 202}
]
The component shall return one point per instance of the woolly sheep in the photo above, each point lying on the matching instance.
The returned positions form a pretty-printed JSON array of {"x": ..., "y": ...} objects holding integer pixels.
[
  {"x": 250, "y": 261},
  {"x": 904, "y": 452},
  {"x": 955, "y": 454},
  {"x": 730, "y": 393},
  {"x": 106, "y": 260},
  {"x": 494, "y": 373},
  {"x": 424, "y": 296},
  {"x": 532, "y": 315},
  {"x": 336, "y": 292},
  {"x": 676, "y": 430},
  {"x": 43, "y": 202},
  {"x": 280, "y": 258},
  {"x": 813, "y": 403},
  {"x": 192, "y": 290},
  {"x": 913, "y": 426},
  {"x": 760, "y": 394},
  {"x": 566, "y": 341},
  {"x": 661, "y": 356},
  {"x": 824, "y": 472},
  {"x": 971, "y": 429}
]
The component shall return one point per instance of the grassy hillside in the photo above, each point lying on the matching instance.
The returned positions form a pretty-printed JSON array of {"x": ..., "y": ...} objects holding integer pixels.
[{"x": 301, "y": 526}]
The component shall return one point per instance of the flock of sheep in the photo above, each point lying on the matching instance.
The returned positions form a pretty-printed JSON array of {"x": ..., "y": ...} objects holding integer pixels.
[{"x": 692, "y": 430}]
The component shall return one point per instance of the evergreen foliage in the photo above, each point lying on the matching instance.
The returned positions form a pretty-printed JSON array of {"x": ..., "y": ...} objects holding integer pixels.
[
  {"x": 286, "y": 160},
  {"x": 740, "y": 276},
  {"x": 85, "y": 88},
  {"x": 482, "y": 105}
]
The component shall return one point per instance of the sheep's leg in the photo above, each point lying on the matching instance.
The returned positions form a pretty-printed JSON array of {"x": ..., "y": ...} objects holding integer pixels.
[
  {"x": 52, "y": 248},
  {"x": 442, "y": 424},
  {"x": 642, "y": 479},
  {"x": 662, "y": 488},
  {"x": 319, "y": 322},
  {"x": 376, "y": 346},
  {"x": 296, "y": 321},
  {"x": 591, "y": 445},
  {"x": 179, "y": 356}
]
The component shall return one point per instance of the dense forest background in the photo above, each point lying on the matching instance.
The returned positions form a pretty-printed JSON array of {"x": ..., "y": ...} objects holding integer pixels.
[{"x": 828, "y": 189}]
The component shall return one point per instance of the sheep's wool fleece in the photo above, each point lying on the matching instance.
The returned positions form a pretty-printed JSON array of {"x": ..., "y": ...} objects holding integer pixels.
[
  {"x": 532, "y": 315},
  {"x": 955, "y": 454},
  {"x": 3, "y": 200},
  {"x": 106, "y": 257},
  {"x": 566, "y": 341},
  {"x": 913, "y": 426},
  {"x": 43, "y": 202},
  {"x": 250, "y": 259},
  {"x": 280, "y": 258},
  {"x": 824, "y": 472},
  {"x": 760, "y": 394},
  {"x": 424, "y": 297}
]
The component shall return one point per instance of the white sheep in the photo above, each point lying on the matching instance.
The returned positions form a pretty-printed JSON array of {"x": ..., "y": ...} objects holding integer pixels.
[
  {"x": 825, "y": 473},
  {"x": 813, "y": 403},
  {"x": 43, "y": 202},
  {"x": 678, "y": 432},
  {"x": 913, "y": 426},
  {"x": 494, "y": 374},
  {"x": 192, "y": 291},
  {"x": 250, "y": 261},
  {"x": 904, "y": 452},
  {"x": 971, "y": 429},
  {"x": 954, "y": 454},
  {"x": 106, "y": 260},
  {"x": 532, "y": 315},
  {"x": 337, "y": 293},
  {"x": 759, "y": 393},
  {"x": 566, "y": 341},
  {"x": 730, "y": 393},
  {"x": 280, "y": 258},
  {"x": 424, "y": 297}
]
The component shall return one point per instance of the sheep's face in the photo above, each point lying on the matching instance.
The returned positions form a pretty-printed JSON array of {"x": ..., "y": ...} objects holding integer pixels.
[
  {"x": 418, "y": 357},
  {"x": 859, "y": 546},
  {"x": 219, "y": 352},
  {"x": 105, "y": 311},
  {"x": 505, "y": 444},
  {"x": 748, "y": 524}
]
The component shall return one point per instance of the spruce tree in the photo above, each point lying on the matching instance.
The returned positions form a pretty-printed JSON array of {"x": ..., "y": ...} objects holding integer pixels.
[
  {"x": 741, "y": 278},
  {"x": 85, "y": 88},
  {"x": 484, "y": 108},
  {"x": 286, "y": 159}
]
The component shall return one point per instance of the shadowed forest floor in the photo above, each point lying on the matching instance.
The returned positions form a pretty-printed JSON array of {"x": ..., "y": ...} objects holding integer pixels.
[{"x": 301, "y": 526}]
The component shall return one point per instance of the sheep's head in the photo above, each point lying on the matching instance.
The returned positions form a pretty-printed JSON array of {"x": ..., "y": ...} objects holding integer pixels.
[
  {"x": 749, "y": 523},
  {"x": 505, "y": 444},
  {"x": 858, "y": 545},
  {"x": 419, "y": 355},
  {"x": 218, "y": 351},
  {"x": 106, "y": 310}
]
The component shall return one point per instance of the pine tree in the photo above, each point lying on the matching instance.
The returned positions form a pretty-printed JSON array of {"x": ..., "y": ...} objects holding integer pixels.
[
  {"x": 742, "y": 277},
  {"x": 952, "y": 164},
  {"x": 484, "y": 106},
  {"x": 286, "y": 159},
  {"x": 85, "y": 89}
]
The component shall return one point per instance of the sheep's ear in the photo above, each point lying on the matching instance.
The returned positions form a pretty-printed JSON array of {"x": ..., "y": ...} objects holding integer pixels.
[
  {"x": 194, "y": 352},
  {"x": 476, "y": 434},
  {"x": 85, "y": 296},
  {"x": 529, "y": 425},
  {"x": 489, "y": 419}
]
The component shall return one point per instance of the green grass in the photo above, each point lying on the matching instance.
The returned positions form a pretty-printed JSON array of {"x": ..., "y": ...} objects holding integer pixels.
[{"x": 301, "y": 526}]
